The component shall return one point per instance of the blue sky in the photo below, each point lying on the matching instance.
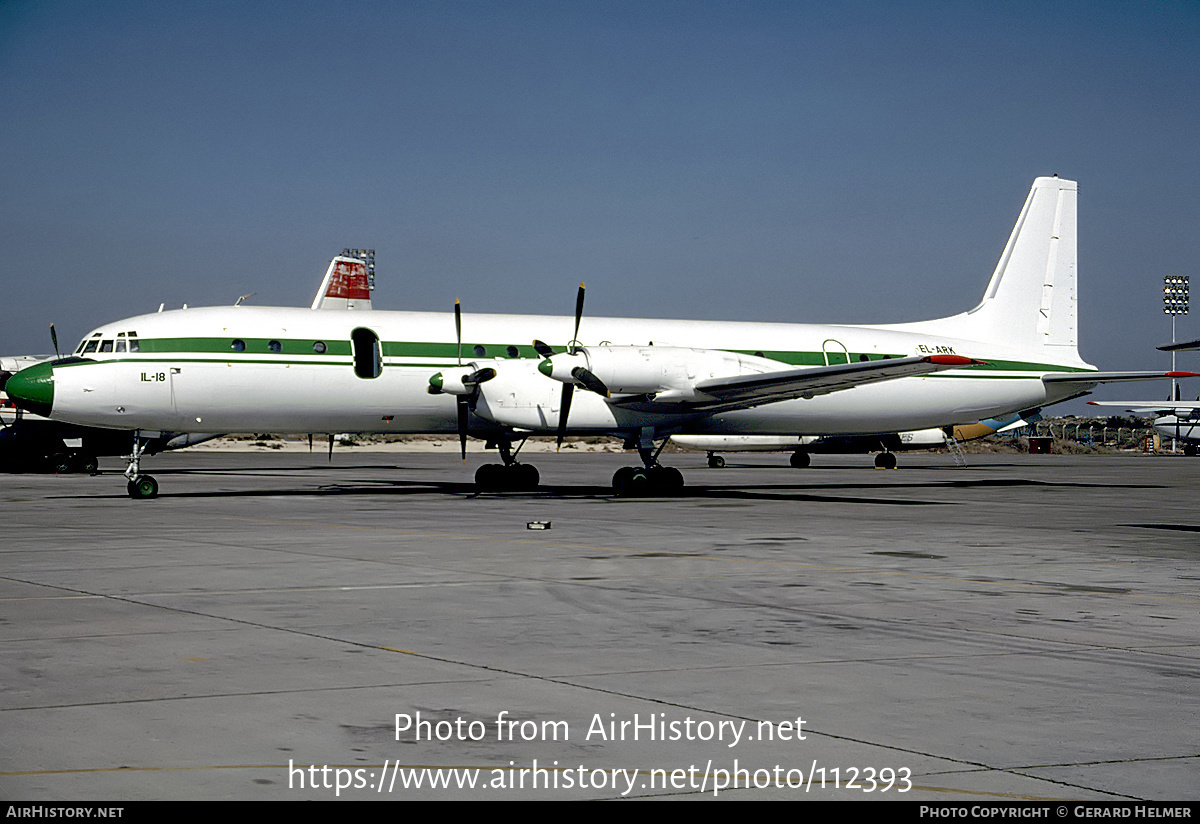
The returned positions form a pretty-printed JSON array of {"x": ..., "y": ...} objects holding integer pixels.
[{"x": 823, "y": 162}]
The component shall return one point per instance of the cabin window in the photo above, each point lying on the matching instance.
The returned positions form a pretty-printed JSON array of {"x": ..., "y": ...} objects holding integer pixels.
[
  {"x": 368, "y": 360},
  {"x": 513, "y": 352},
  {"x": 275, "y": 346},
  {"x": 319, "y": 347},
  {"x": 238, "y": 345},
  {"x": 480, "y": 351}
]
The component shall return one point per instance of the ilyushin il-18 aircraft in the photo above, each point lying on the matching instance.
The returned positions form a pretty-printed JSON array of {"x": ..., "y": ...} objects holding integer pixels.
[{"x": 295, "y": 371}]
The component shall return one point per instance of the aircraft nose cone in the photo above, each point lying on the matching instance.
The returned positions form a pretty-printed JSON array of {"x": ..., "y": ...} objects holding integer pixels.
[{"x": 32, "y": 389}]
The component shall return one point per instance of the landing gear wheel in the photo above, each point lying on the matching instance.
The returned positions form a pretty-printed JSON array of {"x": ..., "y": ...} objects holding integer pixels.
[
  {"x": 633, "y": 481},
  {"x": 1190, "y": 451},
  {"x": 716, "y": 462},
  {"x": 885, "y": 460},
  {"x": 514, "y": 477},
  {"x": 800, "y": 460},
  {"x": 86, "y": 464},
  {"x": 143, "y": 486},
  {"x": 669, "y": 479},
  {"x": 60, "y": 463}
]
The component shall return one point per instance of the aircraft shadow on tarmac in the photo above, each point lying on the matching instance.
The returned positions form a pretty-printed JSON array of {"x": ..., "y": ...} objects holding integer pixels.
[{"x": 283, "y": 483}]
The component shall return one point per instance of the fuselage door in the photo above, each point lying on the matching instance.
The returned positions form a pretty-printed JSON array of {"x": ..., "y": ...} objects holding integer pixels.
[{"x": 368, "y": 358}]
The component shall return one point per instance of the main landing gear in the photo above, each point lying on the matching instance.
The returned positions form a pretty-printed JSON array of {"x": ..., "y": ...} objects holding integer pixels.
[
  {"x": 885, "y": 460},
  {"x": 509, "y": 476},
  {"x": 651, "y": 479},
  {"x": 140, "y": 486}
]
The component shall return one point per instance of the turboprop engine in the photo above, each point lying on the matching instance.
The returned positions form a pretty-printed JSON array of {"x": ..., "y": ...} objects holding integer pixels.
[
  {"x": 462, "y": 380},
  {"x": 664, "y": 372}
]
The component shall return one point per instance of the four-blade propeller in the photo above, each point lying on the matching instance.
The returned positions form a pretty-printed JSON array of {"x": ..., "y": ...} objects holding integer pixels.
[{"x": 578, "y": 374}]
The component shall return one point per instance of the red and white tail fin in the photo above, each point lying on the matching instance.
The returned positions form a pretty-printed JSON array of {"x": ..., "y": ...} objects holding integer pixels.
[{"x": 345, "y": 286}]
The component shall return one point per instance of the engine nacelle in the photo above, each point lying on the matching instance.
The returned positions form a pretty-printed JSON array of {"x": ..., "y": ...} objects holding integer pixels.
[
  {"x": 460, "y": 380},
  {"x": 652, "y": 370}
]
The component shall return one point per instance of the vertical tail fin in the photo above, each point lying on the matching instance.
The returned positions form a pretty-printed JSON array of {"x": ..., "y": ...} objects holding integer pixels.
[
  {"x": 346, "y": 285},
  {"x": 1031, "y": 300}
]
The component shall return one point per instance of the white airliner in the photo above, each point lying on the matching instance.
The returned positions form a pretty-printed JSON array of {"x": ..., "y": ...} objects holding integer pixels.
[{"x": 293, "y": 370}]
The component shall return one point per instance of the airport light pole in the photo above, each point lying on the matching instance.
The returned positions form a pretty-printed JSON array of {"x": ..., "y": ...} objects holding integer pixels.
[{"x": 1175, "y": 303}]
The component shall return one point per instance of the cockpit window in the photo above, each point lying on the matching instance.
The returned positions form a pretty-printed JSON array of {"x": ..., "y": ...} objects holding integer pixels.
[
  {"x": 106, "y": 346},
  {"x": 120, "y": 345},
  {"x": 90, "y": 346}
]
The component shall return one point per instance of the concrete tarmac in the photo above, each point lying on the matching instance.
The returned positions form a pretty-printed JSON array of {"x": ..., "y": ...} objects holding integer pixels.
[{"x": 280, "y": 627}]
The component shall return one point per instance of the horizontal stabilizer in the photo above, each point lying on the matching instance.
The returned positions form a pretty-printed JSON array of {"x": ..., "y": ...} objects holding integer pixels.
[
  {"x": 1182, "y": 409},
  {"x": 1180, "y": 347},
  {"x": 1089, "y": 378}
]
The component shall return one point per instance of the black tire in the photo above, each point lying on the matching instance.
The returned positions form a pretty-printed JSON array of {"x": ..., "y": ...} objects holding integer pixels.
[
  {"x": 621, "y": 478},
  {"x": 716, "y": 462},
  {"x": 800, "y": 460},
  {"x": 143, "y": 487},
  {"x": 525, "y": 476},
  {"x": 670, "y": 480}
]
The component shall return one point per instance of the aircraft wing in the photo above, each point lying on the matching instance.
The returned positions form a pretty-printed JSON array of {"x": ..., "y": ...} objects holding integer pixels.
[
  {"x": 745, "y": 391},
  {"x": 1180, "y": 347}
]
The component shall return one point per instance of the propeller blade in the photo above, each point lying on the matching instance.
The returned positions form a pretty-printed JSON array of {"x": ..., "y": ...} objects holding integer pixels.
[
  {"x": 564, "y": 410},
  {"x": 464, "y": 408},
  {"x": 54, "y": 340},
  {"x": 479, "y": 376},
  {"x": 578, "y": 317},
  {"x": 331, "y": 447},
  {"x": 543, "y": 349},
  {"x": 458, "y": 328},
  {"x": 589, "y": 381}
]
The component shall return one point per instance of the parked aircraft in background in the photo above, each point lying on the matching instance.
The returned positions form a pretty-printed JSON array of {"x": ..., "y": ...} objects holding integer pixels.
[
  {"x": 1173, "y": 419},
  {"x": 291, "y": 370},
  {"x": 886, "y": 444}
]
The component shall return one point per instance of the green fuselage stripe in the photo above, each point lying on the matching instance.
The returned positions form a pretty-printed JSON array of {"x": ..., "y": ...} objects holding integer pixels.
[{"x": 293, "y": 351}]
